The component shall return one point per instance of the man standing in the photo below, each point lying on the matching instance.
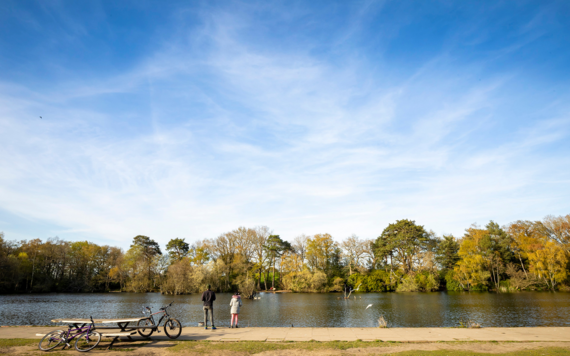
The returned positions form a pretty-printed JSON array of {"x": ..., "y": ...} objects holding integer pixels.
[{"x": 208, "y": 298}]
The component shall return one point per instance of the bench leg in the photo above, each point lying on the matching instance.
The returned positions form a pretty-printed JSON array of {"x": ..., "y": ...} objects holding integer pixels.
[
  {"x": 112, "y": 342},
  {"x": 123, "y": 327}
]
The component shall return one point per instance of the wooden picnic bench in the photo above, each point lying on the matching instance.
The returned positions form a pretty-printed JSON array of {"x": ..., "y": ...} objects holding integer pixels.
[{"x": 122, "y": 324}]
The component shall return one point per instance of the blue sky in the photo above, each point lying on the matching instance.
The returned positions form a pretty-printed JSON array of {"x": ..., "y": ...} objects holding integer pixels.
[{"x": 189, "y": 119}]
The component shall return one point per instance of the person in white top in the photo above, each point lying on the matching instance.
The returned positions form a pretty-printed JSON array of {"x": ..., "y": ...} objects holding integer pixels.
[{"x": 235, "y": 304}]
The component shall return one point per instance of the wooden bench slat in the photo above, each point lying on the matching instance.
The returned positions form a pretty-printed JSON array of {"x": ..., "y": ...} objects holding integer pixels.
[
  {"x": 61, "y": 331},
  {"x": 98, "y": 321},
  {"x": 118, "y": 334}
]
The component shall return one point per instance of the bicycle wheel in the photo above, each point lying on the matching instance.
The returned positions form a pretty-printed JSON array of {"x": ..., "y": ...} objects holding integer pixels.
[
  {"x": 172, "y": 328},
  {"x": 145, "y": 332},
  {"x": 87, "y": 341},
  {"x": 51, "y": 340}
]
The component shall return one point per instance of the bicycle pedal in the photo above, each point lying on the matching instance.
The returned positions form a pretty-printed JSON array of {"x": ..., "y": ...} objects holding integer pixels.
[{"x": 68, "y": 345}]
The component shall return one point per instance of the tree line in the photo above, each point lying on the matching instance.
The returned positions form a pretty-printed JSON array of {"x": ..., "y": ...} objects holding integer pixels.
[{"x": 523, "y": 255}]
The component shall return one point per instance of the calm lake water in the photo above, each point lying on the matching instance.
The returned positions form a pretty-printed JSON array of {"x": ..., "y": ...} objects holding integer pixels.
[{"x": 305, "y": 310}]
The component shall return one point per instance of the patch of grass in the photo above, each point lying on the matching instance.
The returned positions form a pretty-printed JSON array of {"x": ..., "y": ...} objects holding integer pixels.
[
  {"x": 250, "y": 347},
  {"x": 253, "y": 347},
  {"x": 17, "y": 342},
  {"x": 549, "y": 351}
]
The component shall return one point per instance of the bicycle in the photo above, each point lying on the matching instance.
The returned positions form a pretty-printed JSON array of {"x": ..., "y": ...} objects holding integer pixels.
[
  {"x": 87, "y": 338},
  {"x": 172, "y": 327}
]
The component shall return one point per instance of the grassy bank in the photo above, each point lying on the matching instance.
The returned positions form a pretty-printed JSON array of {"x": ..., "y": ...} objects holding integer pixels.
[
  {"x": 256, "y": 347},
  {"x": 179, "y": 348}
]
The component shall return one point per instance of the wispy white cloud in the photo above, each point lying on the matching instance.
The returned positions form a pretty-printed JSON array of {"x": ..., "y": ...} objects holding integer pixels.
[{"x": 217, "y": 132}]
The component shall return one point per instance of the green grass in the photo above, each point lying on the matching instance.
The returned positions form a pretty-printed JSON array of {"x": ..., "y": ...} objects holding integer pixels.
[
  {"x": 255, "y": 347},
  {"x": 6, "y": 343},
  {"x": 17, "y": 342},
  {"x": 549, "y": 351}
]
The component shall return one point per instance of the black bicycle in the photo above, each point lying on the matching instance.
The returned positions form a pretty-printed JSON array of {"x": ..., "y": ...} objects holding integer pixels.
[{"x": 172, "y": 327}]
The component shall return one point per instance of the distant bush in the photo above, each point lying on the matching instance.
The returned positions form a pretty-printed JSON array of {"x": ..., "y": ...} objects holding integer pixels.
[
  {"x": 451, "y": 284},
  {"x": 375, "y": 281},
  {"x": 408, "y": 284},
  {"x": 305, "y": 281},
  {"x": 427, "y": 281}
]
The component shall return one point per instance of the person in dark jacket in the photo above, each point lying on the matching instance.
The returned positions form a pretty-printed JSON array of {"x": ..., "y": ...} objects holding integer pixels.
[{"x": 208, "y": 298}]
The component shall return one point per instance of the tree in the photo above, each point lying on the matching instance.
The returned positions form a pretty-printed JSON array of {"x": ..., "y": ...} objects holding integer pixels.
[
  {"x": 446, "y": 252},
  {"x": 9, "y": 265},
  {"x": 490, "y": 246},
  {"x": 178, "y": 249},
  {"x": 404, "y": 240},
  {"x": 381, "y": 252},
  {"x": 495, "y": 246},
  {"x": 518, "y": 279},
  {"x": 497, "y": 242},
  {"x": 369, "y": 255},
  {"x": 234, "y": 248},
  {"x": 224, "y": 248},
  {"x": 259, "y": 251},
  {"x": 470, "y": 271},
  {"x": 557, "y": 229},
  {"x": 148, "y": 249},
  {"x": 244, "y": 242},
  {"x": 354, "y": 249},
  {"x": 549, "y": 263},
  {"x": 525, "y": 238},
  {"x": 291, "y": 262},
  {"x": 32, "y": 250},
  {"x": 546, "y": 256},
  {"x": 300, "y": 245},
  {"x": 275, "y": 247},
  {"x": 321, "y": 252},
  {"x": 198, "y": 253},
  {"x": 177, "y": 279}
]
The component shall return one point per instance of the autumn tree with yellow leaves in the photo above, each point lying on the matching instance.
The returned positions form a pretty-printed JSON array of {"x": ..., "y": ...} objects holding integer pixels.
[{"x": 406, "y": 257}]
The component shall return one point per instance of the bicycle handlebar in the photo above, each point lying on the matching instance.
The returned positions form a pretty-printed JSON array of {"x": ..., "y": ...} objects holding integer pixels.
[
  {"x": 169, "y": 305},
  {"x": 163, "y": 308}
]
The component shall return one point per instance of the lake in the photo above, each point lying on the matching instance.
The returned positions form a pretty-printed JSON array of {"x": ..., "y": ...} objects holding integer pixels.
[{"x": 440, "y": 309}]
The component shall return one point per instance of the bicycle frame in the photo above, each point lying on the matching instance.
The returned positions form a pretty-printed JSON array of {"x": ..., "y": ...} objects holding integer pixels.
[
  {"x": 79, "y": 331},
  {"x": 148, "y": 325},
  {"x": 151, "y": 316},
  {"x": 67, "y": 335}
]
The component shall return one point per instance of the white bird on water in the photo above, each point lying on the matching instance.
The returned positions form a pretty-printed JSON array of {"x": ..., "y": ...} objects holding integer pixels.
[{"x": 369, "y": 305}]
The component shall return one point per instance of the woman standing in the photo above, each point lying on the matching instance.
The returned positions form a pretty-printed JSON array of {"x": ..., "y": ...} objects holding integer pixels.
[{"x": 235, "y": 304}]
